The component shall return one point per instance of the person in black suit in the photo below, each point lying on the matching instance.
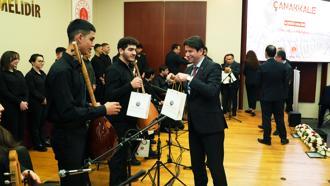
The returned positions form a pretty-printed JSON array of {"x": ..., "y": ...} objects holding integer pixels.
[
  {"x": 173, "y": 59},
  {"x": 272, "y": 80},
  {"x": 14, "y": 95},
  {"x": 324, "y": 105},
  {"x": 68, "y": 110},
  {"x": 99, "y": 66},
  {"x": 205, "y": 118},
  {"x": 141, "y": 58},
  {"x": 35, "y": 80},
  {"x": 119, "y": 83},
  {"x": 250, "y": 72},
  {"x": 229, "y": 91},
  {"x": 289, "y": 99}
]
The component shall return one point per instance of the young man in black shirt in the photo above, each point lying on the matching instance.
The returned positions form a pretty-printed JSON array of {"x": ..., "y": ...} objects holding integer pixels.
[
  {"x": 67, "y": 107},
  {"x": 119, "y": 83}
]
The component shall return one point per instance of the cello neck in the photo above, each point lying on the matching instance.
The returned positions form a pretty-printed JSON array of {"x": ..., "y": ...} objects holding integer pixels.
[
  {"x": 139, "y": 75},
  {"x": 85, "y": 74}
]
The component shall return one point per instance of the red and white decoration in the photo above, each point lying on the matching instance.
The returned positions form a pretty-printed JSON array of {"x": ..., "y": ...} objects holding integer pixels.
[
  {"x": 82, "y": 9},
  {"x": 312, "y": 139}
]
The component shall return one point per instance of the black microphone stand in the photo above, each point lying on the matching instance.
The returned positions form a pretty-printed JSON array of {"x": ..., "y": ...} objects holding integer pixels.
[
  {"x": 157, "y": 165},
  {"x": 230, "y": 98},
  {"x": 169, "y": 144}
]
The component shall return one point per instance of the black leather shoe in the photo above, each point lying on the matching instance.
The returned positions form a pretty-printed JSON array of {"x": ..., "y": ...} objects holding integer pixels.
[
  {"x": 284, "y": 141},
  {"x": 253, "y": 113},
  {"x": 260, "y": 127},
  {"x": 266, "y": 142},
  {"x": 276, "y": 133},
  {"x": 40, "y": 148},
  {"x": 135, "y": 162},
  {"x": 248, "y": 111},
  {"x": 152, "y": 155}
]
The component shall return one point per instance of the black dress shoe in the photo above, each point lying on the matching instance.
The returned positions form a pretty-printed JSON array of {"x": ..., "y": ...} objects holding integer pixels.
[
  {"x": 248, "y": 111},
  {"x": 135, "y": 162},
  {"x": 40, "y": 148},
  {"x": 253, "y": 113},
  {"x": 266, "y": 142},
  {"x": 276, "y": 133},
  {"x": 284, "y": 141},
  {"x": 260, "y": 127}
]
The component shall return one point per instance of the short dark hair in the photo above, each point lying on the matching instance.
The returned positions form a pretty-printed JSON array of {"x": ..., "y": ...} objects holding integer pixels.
[
  {"x": 162, "y": 68},
  {"x": 104, "y": 44},
  {"x": 97, "y": 46},
  {"x": 59, "y": 50},
  {"x": 230, "y": 54},
  {"x": 34, "y": 57},
  {"x": 139, "y": 46},
  {"x": 271, "y": 51},
  {"x": 281, "y": 54},
  {"x": 174, "y": 46},
  {"x": 148, "y": 72},
  {"x": 125, "y": 41},
  {"x": 79, "y": 26},
  {"x": 7, "y": 58},
  {"x": 195, "y": 42}
]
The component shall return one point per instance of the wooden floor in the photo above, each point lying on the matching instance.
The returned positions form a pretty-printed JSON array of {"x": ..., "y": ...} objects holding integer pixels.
[{"x": 247, "y": 162}]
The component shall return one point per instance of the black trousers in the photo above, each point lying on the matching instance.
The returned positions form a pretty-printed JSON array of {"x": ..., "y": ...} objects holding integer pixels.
[
  {"x": 69, "y": 146},
  {"x": 273, "y": 107},
  {"x": 211, "y": 146},
  {"x": 322, "y": 109},
  {"x": 289, "y": 100},
  {"x": 251, "y": 91},
  {"x": 229, "y": 98},
  {"x": 37, "y": 119},
  {"x": 14, "y": 120},
  {"x": 118, "y": 164}
]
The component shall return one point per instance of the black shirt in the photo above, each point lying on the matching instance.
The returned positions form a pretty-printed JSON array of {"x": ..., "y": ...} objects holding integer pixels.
[
  {"x": 173, "y": 62},
  {"x": 160, "y": 82},
  {"x": 66, "y": 94},
  {"x": 36, "y": 85},
  {"x": 13, "y": 87},
  {"x": 142, "y": 62},
  {"x": 99, "y": 68},
  {"x": 118, "y": 88}
]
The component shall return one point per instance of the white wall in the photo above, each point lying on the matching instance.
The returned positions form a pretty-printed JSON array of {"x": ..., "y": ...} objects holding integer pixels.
[{"x": 27, "y": 35}]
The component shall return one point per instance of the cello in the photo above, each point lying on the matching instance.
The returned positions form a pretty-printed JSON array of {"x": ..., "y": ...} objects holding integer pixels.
[
  {"x": 102, "y": 135},
  {"x": 153, "y": 113}
]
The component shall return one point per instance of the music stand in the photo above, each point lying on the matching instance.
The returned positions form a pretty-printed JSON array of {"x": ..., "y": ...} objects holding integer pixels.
[
  {"x": 157, "y": 165},
  {"x": 229, "y": 109}
]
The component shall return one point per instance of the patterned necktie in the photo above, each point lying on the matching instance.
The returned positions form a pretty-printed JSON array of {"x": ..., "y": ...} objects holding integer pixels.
[{"x": 195, "y": 68}]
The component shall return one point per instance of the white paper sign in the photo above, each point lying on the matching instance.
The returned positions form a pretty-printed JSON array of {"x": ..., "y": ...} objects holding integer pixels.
[
  {"x": 139, "y": 105},
  {"x": 227, "y": 78},
  {"x": 174, "y": 104}
]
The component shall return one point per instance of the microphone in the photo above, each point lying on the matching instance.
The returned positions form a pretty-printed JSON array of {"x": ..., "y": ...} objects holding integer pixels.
[
  {"x": 135, "y": 176},
  {"x": 63, "y": 173}
]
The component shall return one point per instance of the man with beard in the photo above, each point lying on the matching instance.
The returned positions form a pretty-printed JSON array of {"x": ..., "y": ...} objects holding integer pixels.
[{"x": 119, "y": 83}]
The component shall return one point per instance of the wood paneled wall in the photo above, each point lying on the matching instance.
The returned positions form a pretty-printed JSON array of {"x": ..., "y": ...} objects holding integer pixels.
[{"x": 157, "y": 25}]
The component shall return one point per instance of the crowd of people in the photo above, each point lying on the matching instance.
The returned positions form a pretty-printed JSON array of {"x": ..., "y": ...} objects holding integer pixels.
[{"x": 61, "y": 98}]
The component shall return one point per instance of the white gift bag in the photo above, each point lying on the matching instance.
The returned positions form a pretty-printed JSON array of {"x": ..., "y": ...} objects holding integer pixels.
[
  {"x": 139, "y": 104},
  {"x": 143, "y": 149},
  {"x": 174, "y": 104}
]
